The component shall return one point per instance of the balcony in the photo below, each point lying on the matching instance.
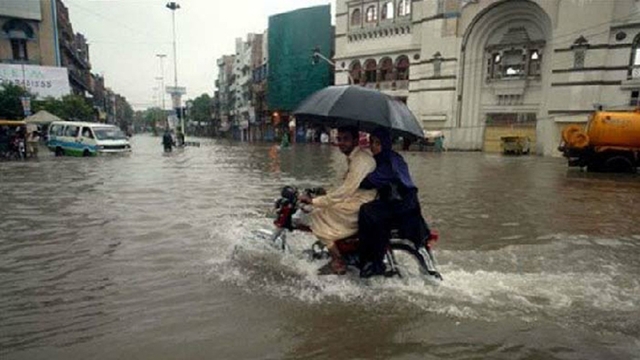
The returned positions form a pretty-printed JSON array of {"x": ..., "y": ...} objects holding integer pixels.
[
  {"x": 80, "y": 77},
  {"x": 34, "y": 61},
  {"x": 69, "y": 46}
]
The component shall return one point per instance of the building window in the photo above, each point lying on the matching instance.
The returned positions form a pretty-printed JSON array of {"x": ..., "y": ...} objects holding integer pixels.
[
  {"x": 370, "y": 71},
  {"x": 437, "y": 64},
  {"x": 19, "y": 49},
  {"x": 535, "y": 61},
  {"x": 513, "y": 63},
  {"x": 493, "y": 66},
  {"x": 19, "y": 33},
  {"x": 372, "y": 14},
  {"x": 579, "y": 48},
  {"x": 635, "y": 99},
  {"x": 386, "y": 70},
  {"x": 402, "y": 68},
  {"x": 356, "y": 72},
  {"x": 440, "y": 7},
  {"x": 387, "y": 11},
  {"x": 634, "y": 71},
  {"x": 404, "y": 8},
  {"x": 356, "y": 18},
  {"x": 578, "y": 57}
]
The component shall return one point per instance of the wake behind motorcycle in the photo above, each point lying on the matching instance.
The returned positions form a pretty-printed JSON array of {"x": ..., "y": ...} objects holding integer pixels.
[{"x": 403, "y": 258}]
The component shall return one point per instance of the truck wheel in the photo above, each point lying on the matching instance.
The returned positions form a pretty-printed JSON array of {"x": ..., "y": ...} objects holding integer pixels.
[
  {"x": 620, "y": 163},
  {"x": 86, "y": 153}
]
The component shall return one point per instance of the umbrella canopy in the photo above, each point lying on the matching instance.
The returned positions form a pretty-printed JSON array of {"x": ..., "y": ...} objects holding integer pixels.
[
  {"x": 351, "y": 105},
  {"x": 42, "y": 117}
]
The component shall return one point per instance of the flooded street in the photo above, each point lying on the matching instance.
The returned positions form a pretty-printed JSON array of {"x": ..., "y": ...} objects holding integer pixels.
[{"x": 155, "y": 256}]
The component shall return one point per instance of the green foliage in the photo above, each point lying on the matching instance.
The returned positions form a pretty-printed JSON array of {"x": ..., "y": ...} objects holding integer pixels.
[
  {"x": 124, "y": 113},
  {"x": 71, "y": 108},
  {"x": 10, "y": 103},
  {"x": 201, "y": 108}
]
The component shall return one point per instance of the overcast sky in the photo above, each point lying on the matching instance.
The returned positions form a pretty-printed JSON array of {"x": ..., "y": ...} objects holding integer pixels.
[{"x": 126, "y": 35}]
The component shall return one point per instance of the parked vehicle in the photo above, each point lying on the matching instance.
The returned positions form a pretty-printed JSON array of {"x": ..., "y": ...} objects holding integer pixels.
[
  {"x": 516, "y": 145},
  {"x": 610, "y": 142},
  {"x": 86, "y": 139}
]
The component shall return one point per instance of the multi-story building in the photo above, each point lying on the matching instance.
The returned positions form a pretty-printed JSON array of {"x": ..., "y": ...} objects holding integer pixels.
[
  {"x": 256, "y": 88},
  {"x": 481, "y": 69},
  {"x": 224, "y": 99},
  {"x": 260, "y": 64},
  {"x": 292, "y": 76},
  {"x": 39, "y": 32},
  {"x": 243, "y": 112},
  {"x": 27, "y": 32},
  {"x": 74, "y": 53}
]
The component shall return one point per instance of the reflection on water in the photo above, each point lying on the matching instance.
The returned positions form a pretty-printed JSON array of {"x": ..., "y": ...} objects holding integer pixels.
[{"x": 154, "y": 256}]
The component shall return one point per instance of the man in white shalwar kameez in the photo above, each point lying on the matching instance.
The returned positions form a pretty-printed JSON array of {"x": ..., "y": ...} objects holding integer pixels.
[{"x": 335, "y": 215}]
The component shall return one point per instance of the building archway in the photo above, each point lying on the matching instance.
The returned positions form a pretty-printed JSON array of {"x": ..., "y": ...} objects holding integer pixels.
[{"x": 502, "y": 76}]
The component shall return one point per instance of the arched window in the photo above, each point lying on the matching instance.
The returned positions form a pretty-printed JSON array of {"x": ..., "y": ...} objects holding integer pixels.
[
  {"x": 402, "y": 68},
  {"x": 387, "y": 11},
  {"x": 386, "y": 70},
  {"x": 404, "y": 7},
  {"x": 18, "y": 32},
  {"x": 356, "y": 18},
  {"x": 356, "y": 72},
  {"x": 634, "y": 71},
  {"x": 370, "y": 71},
  {"x": 535, "y": 61},
  {"x": 372, "y": 14}
]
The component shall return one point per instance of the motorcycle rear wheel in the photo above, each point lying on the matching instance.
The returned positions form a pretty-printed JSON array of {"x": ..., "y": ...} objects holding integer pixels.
[{"x": 407, "y": 261}]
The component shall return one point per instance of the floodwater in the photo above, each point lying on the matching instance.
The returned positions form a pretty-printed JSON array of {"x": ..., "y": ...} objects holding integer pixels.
[{"x": 155, "y": 256}]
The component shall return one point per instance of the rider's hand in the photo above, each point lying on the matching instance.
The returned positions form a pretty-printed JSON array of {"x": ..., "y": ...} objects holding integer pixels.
[{"x": 304, "y": 198}]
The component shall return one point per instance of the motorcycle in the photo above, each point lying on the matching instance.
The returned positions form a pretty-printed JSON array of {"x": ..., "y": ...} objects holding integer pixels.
[{"x": 421, "y": 255}]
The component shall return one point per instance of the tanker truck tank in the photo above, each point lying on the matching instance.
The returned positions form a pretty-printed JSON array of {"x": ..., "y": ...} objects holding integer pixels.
[{"x": 609, "y": 142}]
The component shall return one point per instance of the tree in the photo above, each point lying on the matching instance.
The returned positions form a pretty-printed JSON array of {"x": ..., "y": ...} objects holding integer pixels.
[
  {"x": 124, "y": 112},
  {"x": 71, "y": 107},
  {"x": 201, "y": 108},
  {"x": 10, "y": 102}
]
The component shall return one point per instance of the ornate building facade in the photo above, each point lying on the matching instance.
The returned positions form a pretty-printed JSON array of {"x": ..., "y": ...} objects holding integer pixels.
[{"x": 478, "y": 70}]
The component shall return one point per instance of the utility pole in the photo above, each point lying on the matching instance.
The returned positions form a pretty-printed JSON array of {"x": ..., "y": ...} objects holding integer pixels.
[{"x": 173, "y": 6}]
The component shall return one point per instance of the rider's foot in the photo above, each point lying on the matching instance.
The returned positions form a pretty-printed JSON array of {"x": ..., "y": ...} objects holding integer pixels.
[
  {"x": 336, "y": 266},
  {"x": 331, "y": 268},
  {"x": 372, "y": 269}
]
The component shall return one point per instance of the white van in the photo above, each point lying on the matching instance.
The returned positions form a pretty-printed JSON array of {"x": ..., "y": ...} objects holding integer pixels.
[{"x": 86, "y": 139}]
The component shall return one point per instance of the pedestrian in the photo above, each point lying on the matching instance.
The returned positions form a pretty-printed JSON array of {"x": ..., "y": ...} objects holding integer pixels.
[
  {"x": 167, "y": 141},
  {"x": 285, "y": 141},
  {"x": 32, "y": 143},
  {"x": 324, "y": 138}
]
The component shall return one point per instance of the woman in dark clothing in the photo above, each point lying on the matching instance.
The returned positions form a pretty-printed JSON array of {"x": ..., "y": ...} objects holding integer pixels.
[{"x": 396, "y": 207}]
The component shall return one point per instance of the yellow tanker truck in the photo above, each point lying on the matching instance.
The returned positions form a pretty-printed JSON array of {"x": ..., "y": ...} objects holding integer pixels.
[{"x": 609, "y": 142}]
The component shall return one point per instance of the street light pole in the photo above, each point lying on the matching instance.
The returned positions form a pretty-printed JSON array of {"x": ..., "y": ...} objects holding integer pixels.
[
  {"x": 317, "y": 55},
  {"x": 162, "y": 56},
  {"x": 173, "y": 6}
]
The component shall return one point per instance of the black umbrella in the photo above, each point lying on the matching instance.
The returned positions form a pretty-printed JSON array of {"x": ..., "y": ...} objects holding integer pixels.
[{"x": 336, "y": 106}]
